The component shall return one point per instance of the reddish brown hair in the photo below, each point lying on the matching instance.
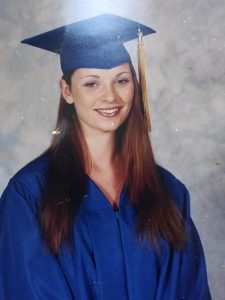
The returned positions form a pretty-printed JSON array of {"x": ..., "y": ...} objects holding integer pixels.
[{"x": 66, "y": 182}]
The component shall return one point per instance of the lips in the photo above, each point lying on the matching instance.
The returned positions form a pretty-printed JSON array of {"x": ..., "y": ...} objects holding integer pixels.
[{"x": 108, "y": 112}]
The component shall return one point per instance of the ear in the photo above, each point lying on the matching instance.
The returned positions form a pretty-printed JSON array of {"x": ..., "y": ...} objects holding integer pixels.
[{"x": 66, "y": 91}]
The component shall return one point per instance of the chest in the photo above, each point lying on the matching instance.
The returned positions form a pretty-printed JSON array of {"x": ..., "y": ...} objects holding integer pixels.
[
  {"x": 118, "y": 266},
  {"x": 110, "y": 185}
]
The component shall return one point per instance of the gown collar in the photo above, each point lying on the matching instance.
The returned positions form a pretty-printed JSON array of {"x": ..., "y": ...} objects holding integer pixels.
[{"x": 95, "y": 199}]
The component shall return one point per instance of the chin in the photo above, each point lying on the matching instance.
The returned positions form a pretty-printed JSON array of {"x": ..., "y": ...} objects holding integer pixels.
[
  {"x": 112, "y": 128},
  {"x": 112, "y": 125},
  {"x": 104, "y": 126}
]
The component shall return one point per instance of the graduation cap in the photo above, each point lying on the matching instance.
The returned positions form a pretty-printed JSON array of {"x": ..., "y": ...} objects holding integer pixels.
[{"x": 94, "y": 43}]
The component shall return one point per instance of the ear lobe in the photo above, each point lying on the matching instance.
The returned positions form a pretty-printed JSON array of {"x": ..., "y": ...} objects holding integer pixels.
[{"x": 66, "y": 92}]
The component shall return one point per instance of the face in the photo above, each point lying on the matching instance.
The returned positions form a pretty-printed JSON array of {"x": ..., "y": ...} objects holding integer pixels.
[{"x": 102, "y": 98}]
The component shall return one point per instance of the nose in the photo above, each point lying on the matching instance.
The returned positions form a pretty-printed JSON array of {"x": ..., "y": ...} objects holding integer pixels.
[{"x": 109, "y": 93}]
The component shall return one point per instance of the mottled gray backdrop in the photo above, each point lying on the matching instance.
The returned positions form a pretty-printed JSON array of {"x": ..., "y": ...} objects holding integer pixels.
[{"x": 186, "y": 67}]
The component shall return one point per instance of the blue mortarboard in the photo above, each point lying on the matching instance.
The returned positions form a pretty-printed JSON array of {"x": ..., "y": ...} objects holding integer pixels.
[{"x": 92, "y": 43}]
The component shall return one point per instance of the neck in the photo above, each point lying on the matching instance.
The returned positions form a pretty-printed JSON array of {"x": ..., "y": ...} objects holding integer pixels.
[{"x": 102, "y": 151}]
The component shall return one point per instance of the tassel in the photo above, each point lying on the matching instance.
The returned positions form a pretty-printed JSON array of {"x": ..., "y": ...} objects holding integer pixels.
[{"x": 142, "y": 80}]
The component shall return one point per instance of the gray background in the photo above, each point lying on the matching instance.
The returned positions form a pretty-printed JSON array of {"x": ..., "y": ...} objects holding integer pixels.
[{"x": 186, "y": 66}]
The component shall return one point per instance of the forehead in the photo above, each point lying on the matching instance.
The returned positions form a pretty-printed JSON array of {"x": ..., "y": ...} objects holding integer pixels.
[{"x": 79, "y": 73}]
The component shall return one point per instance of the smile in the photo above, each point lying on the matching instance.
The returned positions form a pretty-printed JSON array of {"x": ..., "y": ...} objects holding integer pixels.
[{"x": 109, "y": 112}]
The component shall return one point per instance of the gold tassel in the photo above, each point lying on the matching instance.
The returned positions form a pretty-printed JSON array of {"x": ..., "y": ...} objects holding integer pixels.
[{"x": 142, "y": 80}]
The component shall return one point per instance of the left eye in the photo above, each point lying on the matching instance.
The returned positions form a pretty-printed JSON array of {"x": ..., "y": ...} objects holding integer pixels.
[{"x": 122, "y": 81}]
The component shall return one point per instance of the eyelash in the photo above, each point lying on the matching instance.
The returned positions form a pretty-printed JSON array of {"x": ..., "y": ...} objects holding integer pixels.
[
  {"x": 90, "y": 84},
  {"x": 123, "y": 81},
  {"x": 93, "y": 84}
]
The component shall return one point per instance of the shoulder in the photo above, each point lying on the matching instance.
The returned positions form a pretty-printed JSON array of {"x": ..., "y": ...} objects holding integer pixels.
[
  {"x": 35, "y": 170},
  {"x": 29, "y": 182},
  {"x": 176, "y": 189}
]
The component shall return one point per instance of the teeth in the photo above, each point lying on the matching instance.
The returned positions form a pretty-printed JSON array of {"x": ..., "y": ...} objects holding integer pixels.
[{"x": 109, "y": 111}]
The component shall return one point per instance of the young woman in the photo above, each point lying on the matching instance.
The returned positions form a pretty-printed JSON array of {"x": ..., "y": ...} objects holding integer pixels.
[{"x": 94, "y": 217}]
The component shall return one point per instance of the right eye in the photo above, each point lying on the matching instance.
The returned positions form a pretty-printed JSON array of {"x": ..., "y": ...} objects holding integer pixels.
[{"x": 91, "y": 84}]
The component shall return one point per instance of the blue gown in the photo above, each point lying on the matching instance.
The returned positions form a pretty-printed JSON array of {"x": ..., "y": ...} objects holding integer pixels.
[{"x": 106, "y": 260}]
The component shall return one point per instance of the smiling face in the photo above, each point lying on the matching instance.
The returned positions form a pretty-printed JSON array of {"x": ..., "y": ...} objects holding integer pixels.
[{"x": 102, "y": 98}]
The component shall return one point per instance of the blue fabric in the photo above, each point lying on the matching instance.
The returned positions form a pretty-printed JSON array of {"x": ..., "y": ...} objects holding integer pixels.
[
  {"x": 96, "y": 42},
  {"x": 106, "y": 261}
]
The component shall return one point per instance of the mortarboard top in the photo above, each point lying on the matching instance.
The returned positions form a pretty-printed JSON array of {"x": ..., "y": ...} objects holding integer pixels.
[{"x": 92, "y": 43}]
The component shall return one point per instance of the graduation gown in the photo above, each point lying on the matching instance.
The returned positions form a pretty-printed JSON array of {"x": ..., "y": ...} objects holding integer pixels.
[{"x": 106, "y": 261}]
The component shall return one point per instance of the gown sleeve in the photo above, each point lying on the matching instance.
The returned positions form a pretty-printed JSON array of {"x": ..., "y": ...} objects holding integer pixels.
[
  {"x": 183, "y": 273},
  {"x": 28, "y": 271}
]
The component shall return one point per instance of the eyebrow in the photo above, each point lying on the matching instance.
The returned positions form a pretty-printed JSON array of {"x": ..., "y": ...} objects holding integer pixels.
[
  {"x": 122, "y": 73},
  {"x": 96, "y": 76}
]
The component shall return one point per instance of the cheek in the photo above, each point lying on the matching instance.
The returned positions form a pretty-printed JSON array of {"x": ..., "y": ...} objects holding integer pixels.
[
  {"x": 81, "y": 101},
  {"x": 129, "y": 95}
]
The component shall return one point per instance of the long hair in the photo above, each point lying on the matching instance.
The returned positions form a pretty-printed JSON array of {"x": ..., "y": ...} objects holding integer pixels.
[{"x": 66, "y": 180}]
